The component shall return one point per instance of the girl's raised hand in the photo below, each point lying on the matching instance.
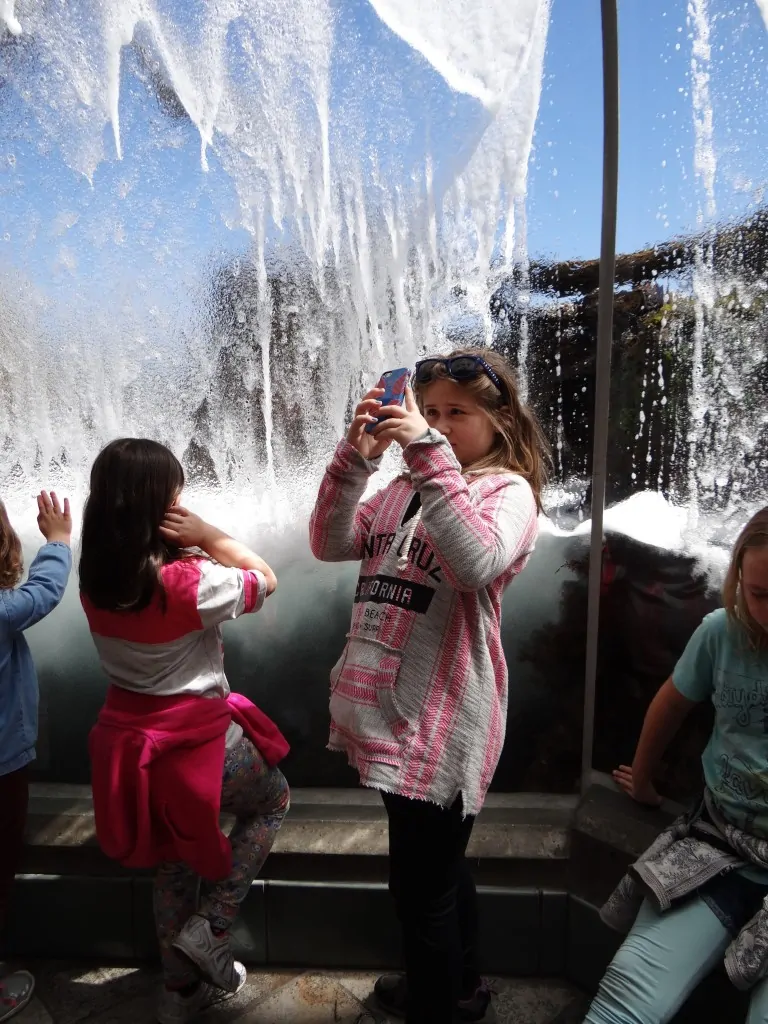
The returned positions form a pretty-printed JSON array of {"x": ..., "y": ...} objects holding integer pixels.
[
  {"x": 405, "y": 423},
  {"x": 55, "y": 522},
  {"x": 644, "y": 793},
  {"x": 183, "y": 528},
  {"x": 369, "y": 445}
]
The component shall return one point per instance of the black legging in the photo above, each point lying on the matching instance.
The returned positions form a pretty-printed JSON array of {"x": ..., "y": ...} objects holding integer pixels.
[
  {"x": 14, "y": 797},
  {"x": 436, "y": 903}
]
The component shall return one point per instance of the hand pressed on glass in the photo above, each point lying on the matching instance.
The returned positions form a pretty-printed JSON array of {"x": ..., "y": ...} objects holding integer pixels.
[{"x": 54, "y": 522}]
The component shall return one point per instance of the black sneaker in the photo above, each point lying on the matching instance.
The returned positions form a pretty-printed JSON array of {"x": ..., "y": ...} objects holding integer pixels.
[
  {"x": 478, "y": 1007},
  {"x": 391, "y": 994}
]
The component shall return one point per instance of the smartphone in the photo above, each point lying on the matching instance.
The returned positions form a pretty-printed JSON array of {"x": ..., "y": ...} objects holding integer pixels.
[{"x": 394, "y": 383}]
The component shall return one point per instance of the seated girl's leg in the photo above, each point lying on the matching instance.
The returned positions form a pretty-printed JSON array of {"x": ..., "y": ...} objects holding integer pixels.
[
  {"x": 660, "y": 963},
  {"x": 258, "y": 796},
  {"x": 758, "y": 1005},
  {"x": 175, "y": 901}
]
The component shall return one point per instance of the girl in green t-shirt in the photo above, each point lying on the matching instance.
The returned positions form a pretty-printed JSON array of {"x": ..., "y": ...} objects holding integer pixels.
[{"x": 666, "y": 955}]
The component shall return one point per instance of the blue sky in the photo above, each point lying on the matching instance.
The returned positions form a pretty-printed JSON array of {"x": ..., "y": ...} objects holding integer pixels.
[
  {"x": 158, "y": 204},
  {"x": 656, "y": 168}
]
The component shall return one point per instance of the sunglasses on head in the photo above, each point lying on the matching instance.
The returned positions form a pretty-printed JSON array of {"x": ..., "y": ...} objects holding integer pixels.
[{"x": 457, "y": 368}]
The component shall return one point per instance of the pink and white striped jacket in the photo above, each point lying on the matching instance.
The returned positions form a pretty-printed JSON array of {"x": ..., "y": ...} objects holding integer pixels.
[{"x": 419, "y": 696}]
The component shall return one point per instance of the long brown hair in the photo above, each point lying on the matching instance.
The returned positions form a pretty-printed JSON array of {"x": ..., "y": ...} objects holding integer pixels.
[
  {"x": 11, "y": 559},
  {"x": 520, "y": 445},
  {"x": 134, "y": 481},
  {"x": 754, "y": 535}
]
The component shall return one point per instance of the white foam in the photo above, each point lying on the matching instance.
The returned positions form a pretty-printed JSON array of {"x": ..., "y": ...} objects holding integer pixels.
[
  {"x": 649, "y": 518},
  {"x": 8, "y": 17},
  {"x": 482, "y": 57},
  {"x": 374, "y": 254}
]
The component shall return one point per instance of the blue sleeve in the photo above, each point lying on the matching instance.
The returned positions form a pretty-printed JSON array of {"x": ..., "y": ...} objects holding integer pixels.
[
  {"x": 694, "y": 675},
  {"x": 42, "y": 591}
]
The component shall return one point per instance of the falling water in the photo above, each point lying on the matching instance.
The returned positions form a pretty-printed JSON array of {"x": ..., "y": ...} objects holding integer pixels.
[
  {"x": 346, "y": 235},
  {"x": 8, "y": 17},
  {"x": 355, "y": 252},
  {"x": 705, "y": 167},
  {"x": 521, "y": 261}
]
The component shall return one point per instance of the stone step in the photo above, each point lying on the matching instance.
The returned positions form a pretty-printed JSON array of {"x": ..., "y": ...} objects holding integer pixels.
[
  {"x": 556, "y": 859},
  {"x": 334, "y": 822}
]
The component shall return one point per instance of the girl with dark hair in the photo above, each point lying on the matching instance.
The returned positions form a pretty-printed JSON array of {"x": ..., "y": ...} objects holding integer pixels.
[{"x": 173, "y": 747}]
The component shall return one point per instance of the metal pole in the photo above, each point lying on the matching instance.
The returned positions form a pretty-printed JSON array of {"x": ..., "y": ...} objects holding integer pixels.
[{"x": 602, "y": 365}]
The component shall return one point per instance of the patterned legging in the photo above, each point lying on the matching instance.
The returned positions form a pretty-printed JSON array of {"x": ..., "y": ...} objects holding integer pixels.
[{"x": 258, "y": 796}]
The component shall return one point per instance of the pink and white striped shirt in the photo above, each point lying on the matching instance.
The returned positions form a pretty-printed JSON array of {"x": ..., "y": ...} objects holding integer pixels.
[
  {"x": 419, "y": 695},
  {"x": 176, "y": 648}
]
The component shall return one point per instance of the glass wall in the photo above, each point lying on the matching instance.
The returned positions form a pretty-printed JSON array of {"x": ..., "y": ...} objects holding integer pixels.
[
  {"x": 218, "y": 232},
  {"x": 687, "y": 440},
  {"x": 556, "y": 333}
]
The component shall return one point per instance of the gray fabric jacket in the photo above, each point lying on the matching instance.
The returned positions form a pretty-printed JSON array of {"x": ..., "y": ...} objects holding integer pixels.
[{"x": 683, "y": 858}]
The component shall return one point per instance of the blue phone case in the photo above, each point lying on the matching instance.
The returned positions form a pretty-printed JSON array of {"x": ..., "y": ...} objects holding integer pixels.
[{"x": 394, "y": 383}]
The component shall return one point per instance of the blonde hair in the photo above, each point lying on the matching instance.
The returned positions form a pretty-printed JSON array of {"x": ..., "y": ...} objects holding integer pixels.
[
  {"x": 519, "y": 445},
  {"x": 11, "y": 560},
  {"x": 754, "y": 535}
]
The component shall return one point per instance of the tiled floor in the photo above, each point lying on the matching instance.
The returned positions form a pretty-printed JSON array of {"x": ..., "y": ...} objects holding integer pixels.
[{"x": 68, "y": 993}]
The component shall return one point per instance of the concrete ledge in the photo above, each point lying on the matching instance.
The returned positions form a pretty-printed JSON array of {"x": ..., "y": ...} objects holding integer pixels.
[
  {"x": 609, "y": 832},
  {"x": 605, "y": 814},
  {"x": 348, "y": 926},
  {"x": 523, "y": 932},
  {"x": 333, "y": 822}
]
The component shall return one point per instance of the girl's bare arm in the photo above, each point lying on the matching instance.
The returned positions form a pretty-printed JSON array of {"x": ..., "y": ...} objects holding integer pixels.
[{"x": 667, "y": 712}]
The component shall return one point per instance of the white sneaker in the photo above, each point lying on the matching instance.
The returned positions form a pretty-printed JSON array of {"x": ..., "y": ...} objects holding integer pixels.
[
  {"x": 211, "y": 955},
  {"x": 16, "y": 990},
  {"x": 175, "y": 1008}
]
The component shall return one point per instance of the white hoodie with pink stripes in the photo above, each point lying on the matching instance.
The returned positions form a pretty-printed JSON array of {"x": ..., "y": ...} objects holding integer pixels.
[{"x": 419, "y": 695}]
